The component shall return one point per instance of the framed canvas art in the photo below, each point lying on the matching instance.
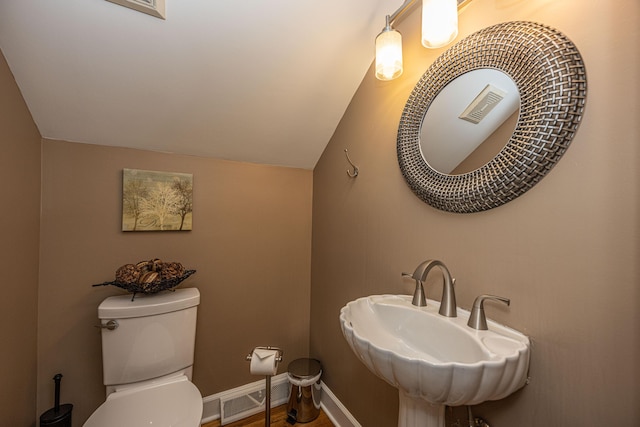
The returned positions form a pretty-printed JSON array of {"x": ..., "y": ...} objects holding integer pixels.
[{"x": 156, "y": 201}]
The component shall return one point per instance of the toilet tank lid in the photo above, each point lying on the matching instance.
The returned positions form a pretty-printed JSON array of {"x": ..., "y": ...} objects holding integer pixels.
[{"x": 122, "y": 306}]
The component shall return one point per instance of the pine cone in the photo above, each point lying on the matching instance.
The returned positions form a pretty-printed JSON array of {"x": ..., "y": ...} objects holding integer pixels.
[
  {"x": 171, "y": 270},
  {"x": 128, "y": 273}
]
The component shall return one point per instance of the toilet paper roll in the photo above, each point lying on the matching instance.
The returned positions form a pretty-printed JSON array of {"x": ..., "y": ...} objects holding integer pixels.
[{"x": 264, "y": 362}]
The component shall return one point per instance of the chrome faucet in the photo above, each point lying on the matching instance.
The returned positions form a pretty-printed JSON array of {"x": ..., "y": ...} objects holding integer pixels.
[{"x": 448, "y": 303}]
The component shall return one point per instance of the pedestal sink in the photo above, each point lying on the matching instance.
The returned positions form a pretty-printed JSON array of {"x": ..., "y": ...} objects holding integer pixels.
[{"x": 433, "y": 361}]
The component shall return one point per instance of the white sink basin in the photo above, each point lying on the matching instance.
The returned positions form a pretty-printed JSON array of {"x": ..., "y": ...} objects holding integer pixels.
[{"x": 433, "y": 360}]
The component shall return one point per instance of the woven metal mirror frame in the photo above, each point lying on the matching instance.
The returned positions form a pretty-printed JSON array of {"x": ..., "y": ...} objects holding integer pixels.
[{"x": 550, "y": 75}]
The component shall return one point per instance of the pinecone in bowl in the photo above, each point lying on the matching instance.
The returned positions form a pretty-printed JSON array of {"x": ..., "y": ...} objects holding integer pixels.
[
  {"x": 171, "y": 270},
  {"x": 128, "y": 273}
]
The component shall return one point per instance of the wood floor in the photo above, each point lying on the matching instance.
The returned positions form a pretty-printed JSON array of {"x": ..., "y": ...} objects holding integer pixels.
[{"x": 278, "y": 419}]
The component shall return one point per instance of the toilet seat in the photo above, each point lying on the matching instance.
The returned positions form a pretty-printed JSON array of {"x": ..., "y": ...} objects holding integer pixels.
[{"x": 173, "y": 403}]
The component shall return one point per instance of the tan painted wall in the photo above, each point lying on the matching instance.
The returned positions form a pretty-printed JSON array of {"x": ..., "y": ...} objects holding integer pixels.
[
  {"x": 250, "y": 245},
  {"x": 19, "y": 216},
  {"x": 566, "y": 252}
]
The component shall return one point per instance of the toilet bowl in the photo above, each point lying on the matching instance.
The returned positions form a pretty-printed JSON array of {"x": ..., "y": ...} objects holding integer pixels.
[{"x": 174, "y": 402}]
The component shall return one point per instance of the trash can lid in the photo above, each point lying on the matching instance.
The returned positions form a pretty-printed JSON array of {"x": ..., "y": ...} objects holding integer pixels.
[{"x": 304, "y": 368}]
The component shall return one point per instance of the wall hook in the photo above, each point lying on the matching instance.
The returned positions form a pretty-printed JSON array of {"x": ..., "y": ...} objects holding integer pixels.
[{"x": 355, "y": 168}]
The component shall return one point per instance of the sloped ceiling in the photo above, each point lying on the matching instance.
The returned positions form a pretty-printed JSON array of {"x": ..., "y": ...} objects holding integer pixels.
[{"x": 247, "y": 80}]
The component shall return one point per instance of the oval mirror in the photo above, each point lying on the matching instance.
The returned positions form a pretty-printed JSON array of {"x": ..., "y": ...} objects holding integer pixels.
[
  {"x": 547, "y": 72},
  {"x": 469, "y": 121}
]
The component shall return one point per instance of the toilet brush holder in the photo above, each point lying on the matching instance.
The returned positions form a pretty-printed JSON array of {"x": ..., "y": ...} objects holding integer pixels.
[{"x": 59, "y": 415}]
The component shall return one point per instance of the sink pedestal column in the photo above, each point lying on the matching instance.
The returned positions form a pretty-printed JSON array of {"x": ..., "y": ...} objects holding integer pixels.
[{"x": 417, "y": 412}]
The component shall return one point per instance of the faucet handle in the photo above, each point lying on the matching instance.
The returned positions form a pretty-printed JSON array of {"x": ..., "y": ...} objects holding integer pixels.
[
  {"x": 419, "y": 299},
  {"x": 477, "y": 319}
]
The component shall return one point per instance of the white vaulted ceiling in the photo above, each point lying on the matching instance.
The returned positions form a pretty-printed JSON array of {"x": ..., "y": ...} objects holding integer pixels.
[{"x": 248, "y": 80}]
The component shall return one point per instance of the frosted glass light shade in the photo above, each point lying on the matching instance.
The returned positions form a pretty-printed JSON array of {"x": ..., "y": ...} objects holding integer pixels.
[
  {"x": 439, "y": 22},
  {"x": 388, "y": 54}
]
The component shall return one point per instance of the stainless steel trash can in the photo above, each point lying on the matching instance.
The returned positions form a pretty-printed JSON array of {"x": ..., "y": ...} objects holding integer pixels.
[{"x": 304, "y": 402}]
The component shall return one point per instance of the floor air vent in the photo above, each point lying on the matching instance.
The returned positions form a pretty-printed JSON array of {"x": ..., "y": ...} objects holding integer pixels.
[{"x": 250, "y": 399}]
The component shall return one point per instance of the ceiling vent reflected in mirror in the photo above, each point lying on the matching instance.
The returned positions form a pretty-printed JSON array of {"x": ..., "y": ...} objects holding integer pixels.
[{"x": 483, "y": 104}]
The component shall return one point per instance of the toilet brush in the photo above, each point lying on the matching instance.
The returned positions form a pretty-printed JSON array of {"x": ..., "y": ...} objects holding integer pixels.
[{"x": 59, "y": 415}]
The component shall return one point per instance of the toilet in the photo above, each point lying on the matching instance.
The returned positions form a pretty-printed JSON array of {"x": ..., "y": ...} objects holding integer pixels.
[{"x": 147, "y": 356}]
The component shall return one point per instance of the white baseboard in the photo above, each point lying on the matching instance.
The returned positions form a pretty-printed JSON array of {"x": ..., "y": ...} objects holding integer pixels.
[{"x": 335, "y": 410}]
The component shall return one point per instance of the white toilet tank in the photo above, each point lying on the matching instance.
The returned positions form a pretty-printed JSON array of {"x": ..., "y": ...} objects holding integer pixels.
[{"x": 155, "y": 335}]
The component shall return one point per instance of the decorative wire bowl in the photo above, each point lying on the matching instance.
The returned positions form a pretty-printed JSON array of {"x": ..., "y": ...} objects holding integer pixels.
[{"x": 149, "y": 288}]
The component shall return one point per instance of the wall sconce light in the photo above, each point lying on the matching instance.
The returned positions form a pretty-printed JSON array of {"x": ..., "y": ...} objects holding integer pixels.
[
  {"x": 439, "y": 22},
  {"x": 439, "y": 28},
  {"x": 388, "y": 53}
]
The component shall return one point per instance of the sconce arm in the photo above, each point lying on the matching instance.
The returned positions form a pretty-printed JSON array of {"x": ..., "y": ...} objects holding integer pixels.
[{"x": 403, "y": 8}]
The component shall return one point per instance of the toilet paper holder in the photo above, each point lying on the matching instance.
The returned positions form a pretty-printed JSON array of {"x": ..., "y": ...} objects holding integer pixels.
[
  {"x": 278, "y": 357},
  {"x": 267, "y": 404}
]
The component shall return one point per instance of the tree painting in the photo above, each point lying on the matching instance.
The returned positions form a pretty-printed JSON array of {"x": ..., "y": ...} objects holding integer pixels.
[{"x": 156, "y": 201}]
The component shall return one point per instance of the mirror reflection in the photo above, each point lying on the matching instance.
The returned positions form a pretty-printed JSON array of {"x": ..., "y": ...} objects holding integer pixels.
[{"x": 469, "y": 121}]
